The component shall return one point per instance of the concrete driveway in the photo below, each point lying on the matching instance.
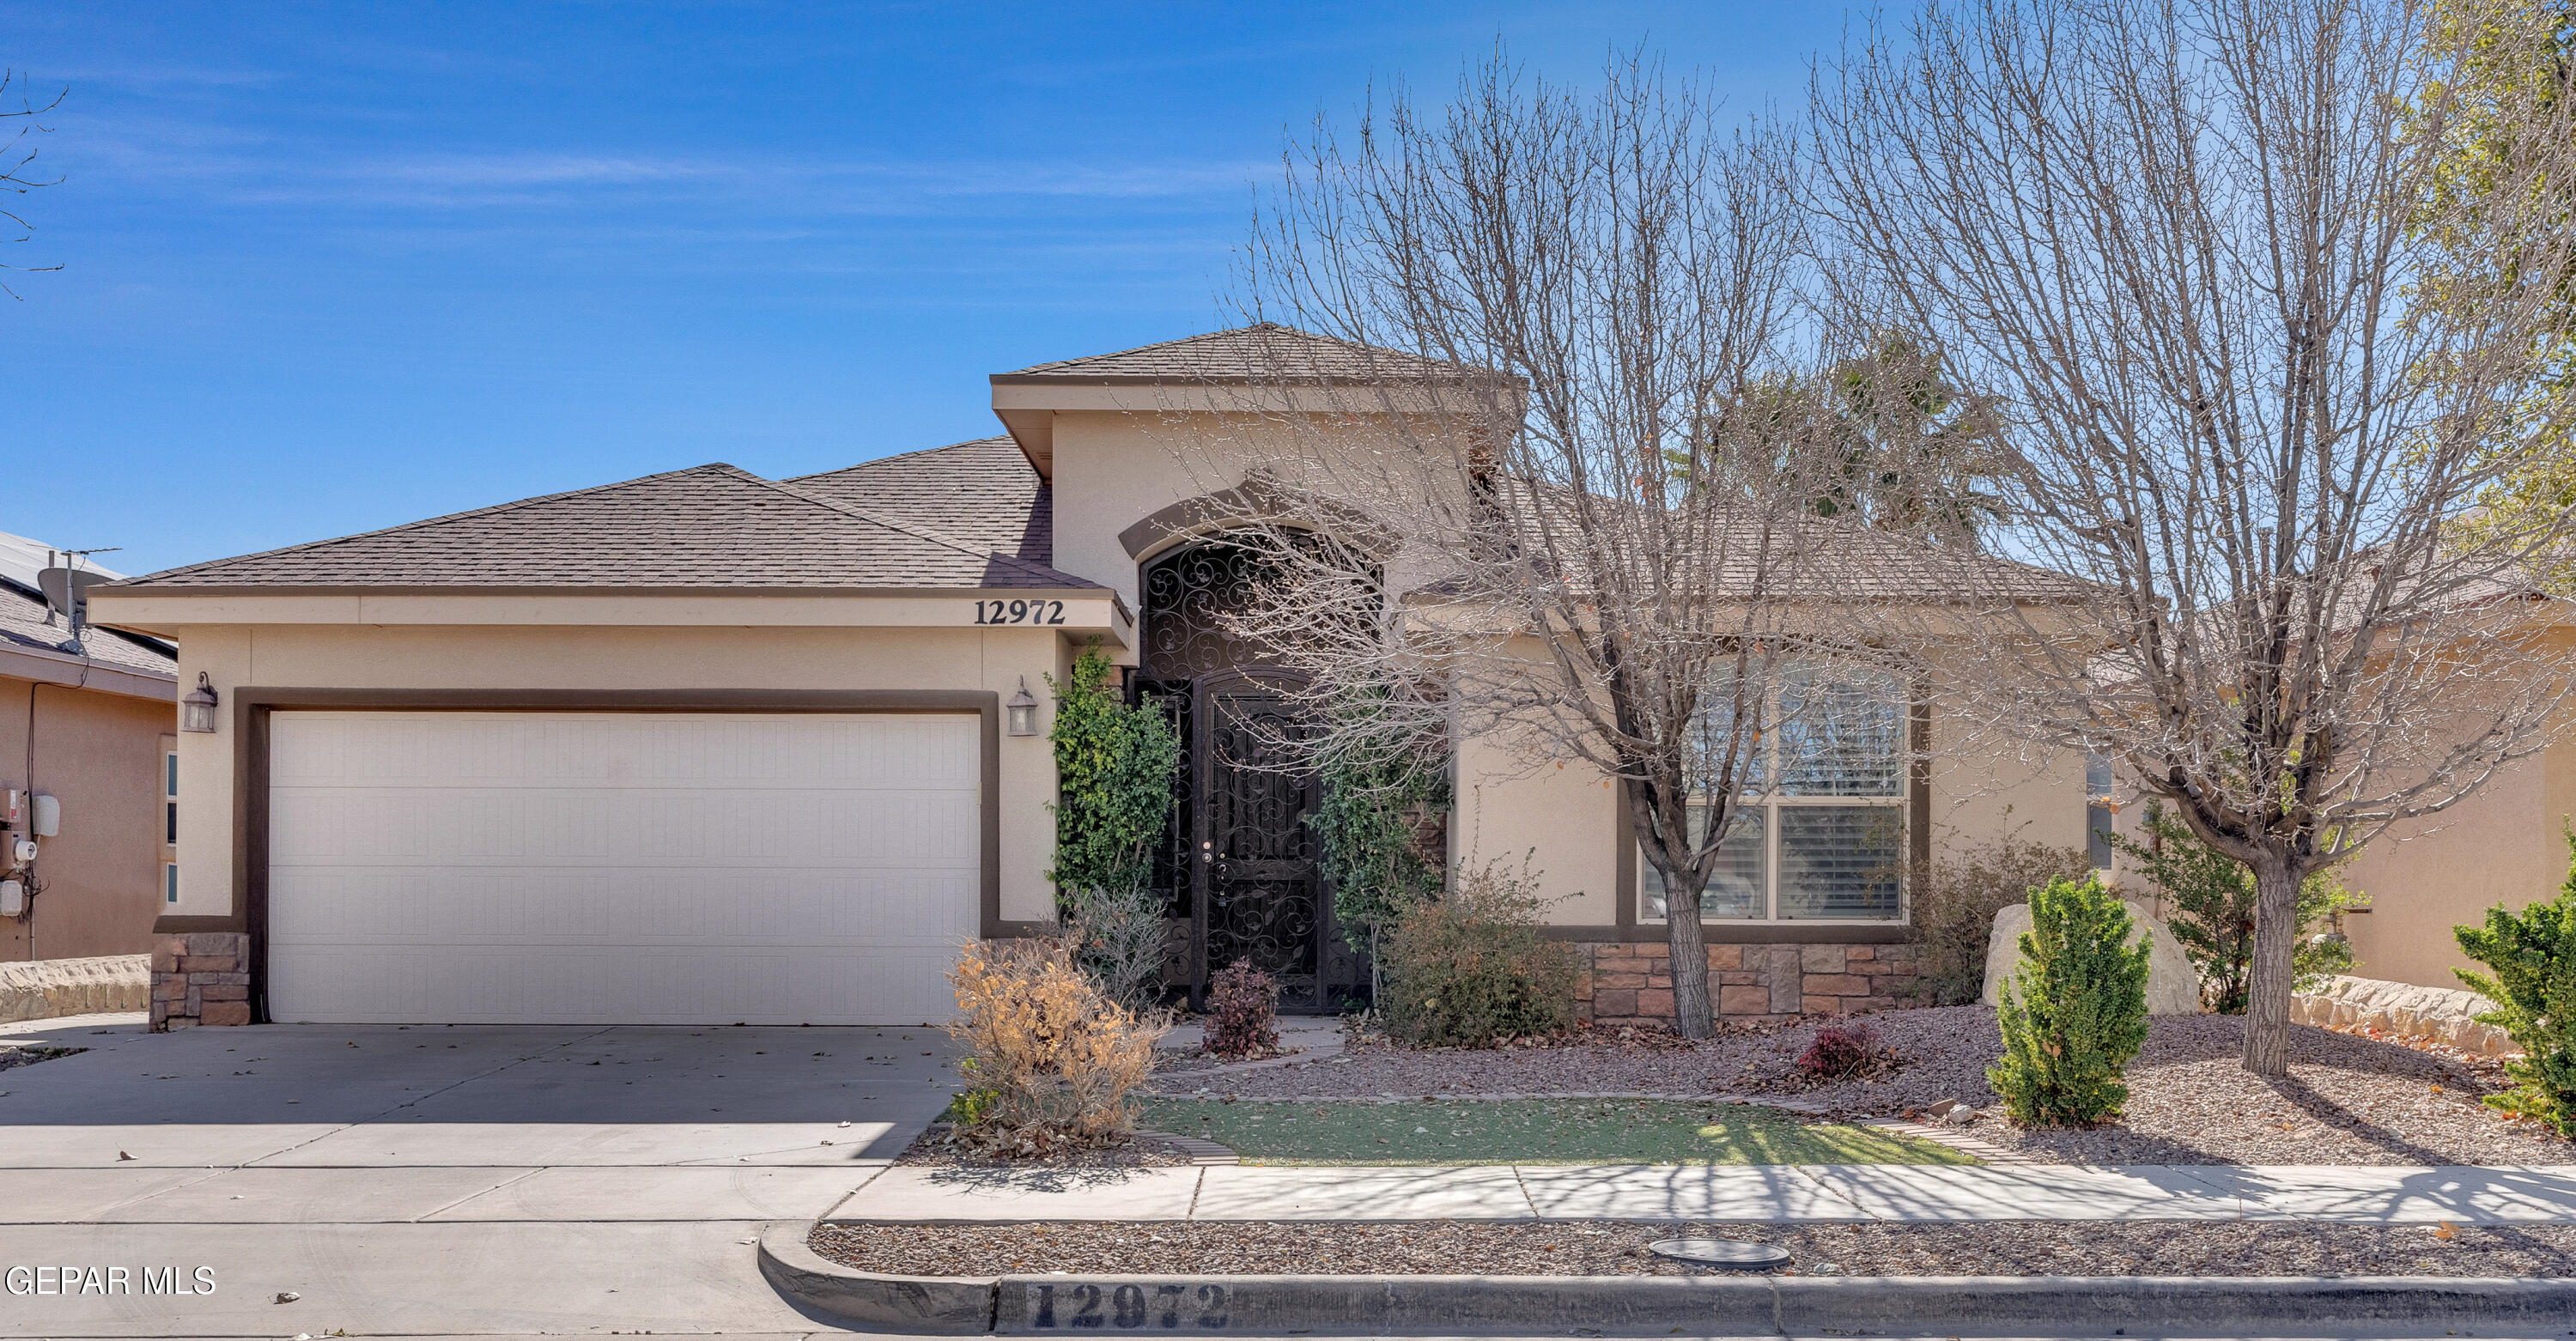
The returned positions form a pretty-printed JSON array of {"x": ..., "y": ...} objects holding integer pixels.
[{"x": 423, "y": 1179}]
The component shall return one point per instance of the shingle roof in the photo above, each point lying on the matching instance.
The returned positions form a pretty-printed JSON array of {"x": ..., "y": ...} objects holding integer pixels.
[
  {"x": 22, "y": 626},
  {"x": 711, "y": 526},
  {"x": 1265, "y": 352},
  {"x": 1799, "y": 558},
  {"x": 983, "y": 492}
]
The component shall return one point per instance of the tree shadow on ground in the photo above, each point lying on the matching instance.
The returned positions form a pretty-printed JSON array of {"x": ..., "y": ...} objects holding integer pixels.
[{"x": 1035, "y": 1177}]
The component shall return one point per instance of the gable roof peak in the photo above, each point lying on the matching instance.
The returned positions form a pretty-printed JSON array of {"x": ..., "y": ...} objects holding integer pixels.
[{"x": 1262, "y": 351}]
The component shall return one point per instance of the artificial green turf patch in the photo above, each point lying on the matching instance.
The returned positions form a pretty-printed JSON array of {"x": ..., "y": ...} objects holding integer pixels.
[{"x": 1532, "y": 1131}]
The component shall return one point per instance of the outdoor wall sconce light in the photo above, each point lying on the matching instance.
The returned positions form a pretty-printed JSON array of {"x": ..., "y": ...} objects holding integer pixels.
[
  {"x": 1024, "y": 711},
  {"x": 197, "y": 710}
]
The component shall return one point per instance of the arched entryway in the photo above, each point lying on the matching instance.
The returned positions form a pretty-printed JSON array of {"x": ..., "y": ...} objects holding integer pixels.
[{"x": 1239, "y": 867}]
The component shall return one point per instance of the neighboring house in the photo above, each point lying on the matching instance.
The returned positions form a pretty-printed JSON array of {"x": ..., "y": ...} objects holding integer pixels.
[
  {"x": 88, "y": 723},
  {"x": 708, "y": 748}
]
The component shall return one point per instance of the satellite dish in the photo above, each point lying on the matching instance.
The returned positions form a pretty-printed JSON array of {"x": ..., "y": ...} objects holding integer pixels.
[{"x": 67, "y": 590}]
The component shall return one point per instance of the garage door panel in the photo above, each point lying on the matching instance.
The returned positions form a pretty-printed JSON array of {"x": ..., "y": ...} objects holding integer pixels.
[
  {"x": 477, "y": 750},
  {"x": 605, "y": 867},
  {"x": 326, "y": 907},
  {"x": 591, "y": 986},
  {"x": 634, "y": 827}
]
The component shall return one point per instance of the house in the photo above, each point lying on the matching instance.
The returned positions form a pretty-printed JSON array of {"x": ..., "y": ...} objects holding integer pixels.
[
  {"x": 85, "y": 721},
  {"x": 704, "y": 747}
]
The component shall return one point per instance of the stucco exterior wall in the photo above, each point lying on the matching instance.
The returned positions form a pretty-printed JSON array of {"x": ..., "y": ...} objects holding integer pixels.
[
  {"x": 2504, "y": 845},
  {"x": 1514, "y": 801},
  {"x": 100, "y": 754},
  {"x": 1987, "y": 790},
  {"x": 430, "y": 657},
  {"x": 1114, "y": 469}
]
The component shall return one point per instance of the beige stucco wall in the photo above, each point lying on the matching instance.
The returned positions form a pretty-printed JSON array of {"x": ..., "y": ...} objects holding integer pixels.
[
  {"x": 100, "y": 754},
  {"x": 1985, "y": 789},
  {"x": 1114, "y": 469},
  {"x": 2504, "y": 845},
  {"x": 1558, "y": 813},
  {"x": 363, "y": 657}
]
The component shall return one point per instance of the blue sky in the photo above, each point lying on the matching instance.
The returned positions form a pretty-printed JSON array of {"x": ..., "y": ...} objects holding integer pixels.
[{"x": 328, "y": 268}]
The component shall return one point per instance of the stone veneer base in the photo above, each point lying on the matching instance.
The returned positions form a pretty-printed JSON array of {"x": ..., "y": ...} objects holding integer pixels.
[
  {"x": 202, "y": 977},
  {"x": 1631, "y": 983}
]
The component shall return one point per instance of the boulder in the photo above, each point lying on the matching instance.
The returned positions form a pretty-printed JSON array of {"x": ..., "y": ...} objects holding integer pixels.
[
  {"x": 2173, "y": 985},
  {"x": 2446, "y": 1015}
]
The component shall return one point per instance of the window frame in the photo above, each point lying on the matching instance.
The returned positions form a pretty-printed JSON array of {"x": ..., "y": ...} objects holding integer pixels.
[
  {"x": 1773, "y": 799},
  {"x": 169, "y": 822},
  {"x": 2101, "y": 811}
]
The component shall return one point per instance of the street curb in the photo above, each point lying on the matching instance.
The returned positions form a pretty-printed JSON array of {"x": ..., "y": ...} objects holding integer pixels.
[
  {"x": 2134, "y": 1306},
  {"x": 904, "y": 1305}
]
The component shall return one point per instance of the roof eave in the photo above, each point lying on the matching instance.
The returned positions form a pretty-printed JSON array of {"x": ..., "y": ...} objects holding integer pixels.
[
  {"x": 526, "y": 589},
  {"x": 47, "y": 666}
]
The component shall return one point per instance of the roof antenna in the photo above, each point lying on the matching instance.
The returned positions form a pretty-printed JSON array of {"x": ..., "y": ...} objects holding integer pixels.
[{"x": 66, "y": 586}]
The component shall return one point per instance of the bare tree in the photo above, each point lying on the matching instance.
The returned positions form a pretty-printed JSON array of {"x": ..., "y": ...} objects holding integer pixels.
[
  {"x": 18, "y": 162},
  {"x": 2194, "y": 250},
  {"x": 1554, "y": 482}
]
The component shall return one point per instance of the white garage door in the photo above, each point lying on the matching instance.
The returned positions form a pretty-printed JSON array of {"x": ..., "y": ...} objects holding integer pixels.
[{"x": 619, "y": 868}]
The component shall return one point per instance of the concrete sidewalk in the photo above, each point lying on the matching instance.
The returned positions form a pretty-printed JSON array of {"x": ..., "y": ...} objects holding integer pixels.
[{"x": 1840, "y": 1192}]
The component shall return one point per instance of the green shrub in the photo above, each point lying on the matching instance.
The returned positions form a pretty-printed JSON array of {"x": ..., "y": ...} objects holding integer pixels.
[
  {"x": 2533, "y": 955},
  {"x": 1955, "y": 903},
  {"x": 1114, "y": 769},
  {"x": 1473, "y": 969},
  {"x": 2075, "y": 1010},
  {"x": 2213, "y": 911},
  {"x": 1377, "y": 797}
]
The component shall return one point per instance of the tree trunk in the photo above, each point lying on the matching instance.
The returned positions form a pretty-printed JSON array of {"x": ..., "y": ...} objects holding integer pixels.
[
  {"x": 2267, "y": 987},
  {"x": 1692, "y": 1017}
]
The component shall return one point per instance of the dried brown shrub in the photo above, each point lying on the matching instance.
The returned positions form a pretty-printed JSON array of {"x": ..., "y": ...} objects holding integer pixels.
[
  {"x": 1050, "y": 1058},
  {"x": 1955, "y": 907}
]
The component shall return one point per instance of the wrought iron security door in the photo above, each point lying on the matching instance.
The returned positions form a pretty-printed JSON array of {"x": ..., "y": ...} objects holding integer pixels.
[
  {"x": 1260, "y": 897},
  {"x": 1240, "y": 869}
]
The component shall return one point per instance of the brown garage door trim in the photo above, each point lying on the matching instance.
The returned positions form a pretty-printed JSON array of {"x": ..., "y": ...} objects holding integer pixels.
[{"x": 253, "y": 706}]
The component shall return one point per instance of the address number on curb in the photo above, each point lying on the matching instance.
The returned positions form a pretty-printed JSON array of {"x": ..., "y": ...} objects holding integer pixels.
[{"x": 1133, "y": 1308}]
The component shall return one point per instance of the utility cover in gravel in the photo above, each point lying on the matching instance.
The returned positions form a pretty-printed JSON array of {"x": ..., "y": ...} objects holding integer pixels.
[{"x": 1532, "y": 1131}]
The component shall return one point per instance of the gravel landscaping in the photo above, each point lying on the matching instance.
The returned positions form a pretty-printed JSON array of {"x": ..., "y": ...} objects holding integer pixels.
[
  {"x": 1532, "y": 1131},
  {"x": 1617, "y": 1248},
  {"x": 2347, "y": 1100},
  {"x": 15, "y": 1055}
]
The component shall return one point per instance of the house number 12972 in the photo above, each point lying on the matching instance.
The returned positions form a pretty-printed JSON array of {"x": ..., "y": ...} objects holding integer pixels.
[
  {"x": 1019, "y": 612},
  {"x": 1127, "y": 1307}
]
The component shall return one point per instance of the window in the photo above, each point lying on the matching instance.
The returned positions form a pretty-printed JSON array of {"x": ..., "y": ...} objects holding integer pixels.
[
  {"x": 2101, "y": 811},
  {"x": 169, "y": 821},
  {"x": 1821, "y": 832}
]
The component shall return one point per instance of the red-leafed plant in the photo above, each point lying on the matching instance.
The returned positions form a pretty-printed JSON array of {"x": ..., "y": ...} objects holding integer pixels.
[
  {"x": 1841, "y": 1051},
  {"x": 1243, "y": 1012}
]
